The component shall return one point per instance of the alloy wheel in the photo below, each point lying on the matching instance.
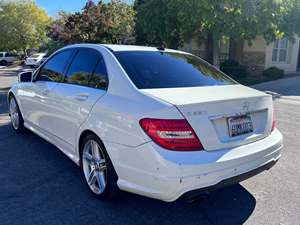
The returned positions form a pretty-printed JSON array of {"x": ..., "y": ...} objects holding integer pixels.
[
  {"x": 94, "y": 167},
  {"x": 14, "y": 113}
]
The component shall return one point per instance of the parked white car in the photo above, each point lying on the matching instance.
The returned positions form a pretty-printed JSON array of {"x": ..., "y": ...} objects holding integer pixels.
[
  {"x": 35, "y": 60},
  {"x": 156, "y": 122},
  {"x": 6, "y": 58}
]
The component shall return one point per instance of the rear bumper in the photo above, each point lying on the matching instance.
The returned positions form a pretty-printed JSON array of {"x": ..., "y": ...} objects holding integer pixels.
[
  {"x": 166, "y": 175},
  {"x": 230, "y": 181}
]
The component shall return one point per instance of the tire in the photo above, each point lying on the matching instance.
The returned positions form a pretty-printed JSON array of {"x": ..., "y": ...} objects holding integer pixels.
[
  {"x": 97, "y": 168},
  {"x": 16, "y": 116},
  {"x": 3, "y": 63}
]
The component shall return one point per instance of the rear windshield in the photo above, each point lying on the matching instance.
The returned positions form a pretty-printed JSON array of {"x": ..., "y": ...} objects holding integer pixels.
[{"x": 154, "y": 69}]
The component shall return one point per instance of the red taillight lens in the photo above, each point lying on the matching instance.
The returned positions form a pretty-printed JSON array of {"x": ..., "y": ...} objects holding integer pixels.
[
  {"x": 273, "y": 125},
  {"x": 176, "y": 135}
]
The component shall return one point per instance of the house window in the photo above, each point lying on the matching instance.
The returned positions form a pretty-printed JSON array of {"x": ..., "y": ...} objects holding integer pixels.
[{"x": 280, "y": 49}]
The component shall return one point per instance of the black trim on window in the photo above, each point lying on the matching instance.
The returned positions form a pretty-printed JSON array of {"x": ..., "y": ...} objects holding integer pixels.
[
  {"x": 106, "y": 74},
  {"x": 76, "y": 50}
]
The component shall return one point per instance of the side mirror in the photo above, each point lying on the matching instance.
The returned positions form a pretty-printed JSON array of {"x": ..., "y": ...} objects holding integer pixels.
[{"x": 25, "y": 76}]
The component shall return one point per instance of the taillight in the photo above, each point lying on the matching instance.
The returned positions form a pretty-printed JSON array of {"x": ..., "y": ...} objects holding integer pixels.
[
  {"x": 273, "y": 125},
  {"x": 172, "y": 134}
]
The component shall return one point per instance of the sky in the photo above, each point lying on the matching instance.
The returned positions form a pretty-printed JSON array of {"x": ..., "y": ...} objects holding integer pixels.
[{"x": 54, "y": 6}]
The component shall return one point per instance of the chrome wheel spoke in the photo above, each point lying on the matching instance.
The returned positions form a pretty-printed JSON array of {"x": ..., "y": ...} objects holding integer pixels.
[
  {"x": 100, "y": 161},
  {"x": 95, "y": 150},
  {"x": 91, "y": 177},
  {"x": 88, "y": 157},
  {"x": 100, "y": 180}
]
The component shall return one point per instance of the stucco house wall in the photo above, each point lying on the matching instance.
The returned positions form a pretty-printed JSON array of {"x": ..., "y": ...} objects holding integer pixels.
[
  {"x": 257, "y": 55},
  {"x": 290, "y": 66},
  {"x": 254, "y": 54}
]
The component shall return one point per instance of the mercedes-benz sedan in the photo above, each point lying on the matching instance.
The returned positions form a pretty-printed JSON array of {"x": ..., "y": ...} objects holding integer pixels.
[{"x": 152, "y": 121}]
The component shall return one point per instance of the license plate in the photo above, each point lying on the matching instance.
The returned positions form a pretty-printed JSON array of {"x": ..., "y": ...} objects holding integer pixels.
[{"x": 240, "y": 125}]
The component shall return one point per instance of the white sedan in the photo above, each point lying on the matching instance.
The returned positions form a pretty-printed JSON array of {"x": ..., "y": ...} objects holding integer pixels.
[
  {"x": 35, "y": 60},
  {"x": 152, "y": 121}
]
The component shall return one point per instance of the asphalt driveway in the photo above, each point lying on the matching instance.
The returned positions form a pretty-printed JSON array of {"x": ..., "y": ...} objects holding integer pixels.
[{"x": 39, "y": 185}]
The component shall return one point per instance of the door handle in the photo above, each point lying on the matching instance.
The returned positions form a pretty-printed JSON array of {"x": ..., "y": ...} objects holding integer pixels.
[{"x": 82, "y": 97}]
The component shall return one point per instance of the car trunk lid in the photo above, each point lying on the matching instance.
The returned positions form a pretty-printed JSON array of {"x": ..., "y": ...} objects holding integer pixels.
[{"x": 209, "y": 109}]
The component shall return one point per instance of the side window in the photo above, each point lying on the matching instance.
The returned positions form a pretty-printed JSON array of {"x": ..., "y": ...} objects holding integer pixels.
[
  {"x": 53, "y": 70},
  {"x": 82, "y": 67},
  {"x": 99, "y": 78}
]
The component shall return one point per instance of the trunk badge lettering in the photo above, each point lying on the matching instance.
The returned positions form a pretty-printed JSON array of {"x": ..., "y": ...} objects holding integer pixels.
[{"x": 196, "y": 113}]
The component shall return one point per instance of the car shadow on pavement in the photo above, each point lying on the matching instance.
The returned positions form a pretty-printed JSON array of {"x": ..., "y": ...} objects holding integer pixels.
[{"x": 40, "y": 185}]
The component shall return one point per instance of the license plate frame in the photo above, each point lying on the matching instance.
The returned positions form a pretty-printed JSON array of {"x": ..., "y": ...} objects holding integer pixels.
[{"x": 239, "y": 125}]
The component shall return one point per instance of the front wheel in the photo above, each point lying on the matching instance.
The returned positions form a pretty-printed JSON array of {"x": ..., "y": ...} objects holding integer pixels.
[
  {"x": 98, "y": 170},
  {"x": 16, "y": 116},
  {"x": 3, "y": 63}
]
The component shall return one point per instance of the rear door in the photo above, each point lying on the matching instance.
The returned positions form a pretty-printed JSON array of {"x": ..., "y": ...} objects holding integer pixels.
[{"x": 85, "y": 82}]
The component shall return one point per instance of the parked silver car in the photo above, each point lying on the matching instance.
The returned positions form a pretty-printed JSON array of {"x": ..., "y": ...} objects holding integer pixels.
[{"x": 7, "y": 57}]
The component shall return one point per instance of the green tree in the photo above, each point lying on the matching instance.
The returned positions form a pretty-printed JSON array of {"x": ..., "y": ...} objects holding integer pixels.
[
  {"x": 23, "y": 25},
  {"x": 177, "y": 21},
  {"x": 121, "y": 20},
  {"x": 96, "y": 23},
  {"x": 157, "y": 23}
]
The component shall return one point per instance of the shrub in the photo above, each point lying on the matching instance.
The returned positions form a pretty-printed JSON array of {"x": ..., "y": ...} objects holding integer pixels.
[
  {"x": 234, "y": 69},
  {"x": 273, "y": 73}
]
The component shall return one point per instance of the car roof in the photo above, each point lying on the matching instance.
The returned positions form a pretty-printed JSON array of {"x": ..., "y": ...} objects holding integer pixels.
[{"x": 119, "y": 48}]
